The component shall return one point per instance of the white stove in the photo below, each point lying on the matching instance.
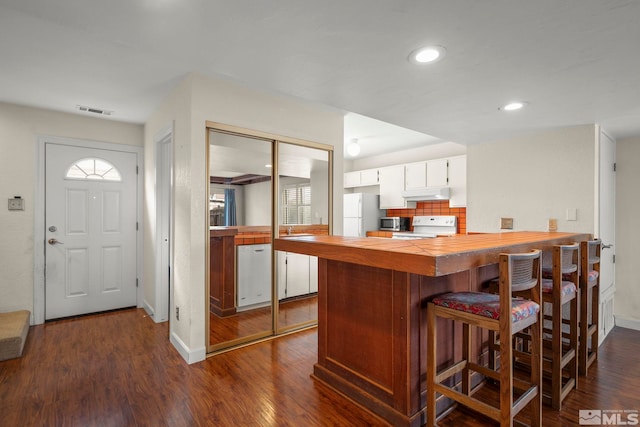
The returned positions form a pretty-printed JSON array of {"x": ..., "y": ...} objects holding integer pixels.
[{"x": 425, "y": 227}]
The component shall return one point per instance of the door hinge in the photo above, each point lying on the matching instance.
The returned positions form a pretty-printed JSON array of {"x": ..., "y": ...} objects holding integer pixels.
[
  {"x": 137, "y": 170},
  {"x": 614, "y": 258},
  {"x": 136, "y": 225},
  {"x": 136, "y": 282},
  {"x": 614, "y": 166}
]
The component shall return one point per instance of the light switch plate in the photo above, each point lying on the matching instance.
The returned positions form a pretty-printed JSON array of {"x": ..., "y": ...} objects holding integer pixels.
[{"x": 16, "y": 204}]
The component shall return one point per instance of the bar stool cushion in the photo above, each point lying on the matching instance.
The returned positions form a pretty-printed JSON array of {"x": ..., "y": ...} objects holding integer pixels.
[
  {"x": 487, "y": 305},
  {"x": 568, "y": 288}
]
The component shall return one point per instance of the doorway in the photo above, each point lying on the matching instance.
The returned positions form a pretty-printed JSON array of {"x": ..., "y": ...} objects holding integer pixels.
[{"x": 164, "y": 191}]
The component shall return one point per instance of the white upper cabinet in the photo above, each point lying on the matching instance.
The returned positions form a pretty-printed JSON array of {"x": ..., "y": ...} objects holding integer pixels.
[
  {"x": 458, "y": 181},
  {"x": 351, "y": 179},
  {"x": 392, "y": 181},
  {"x": 369, "y": 177},
  {"x": 432, "y": 173},
  {"x": 361, "y": 178},
  {"x": 437, "y": 173},
  {"x": 415, "y": 175}
]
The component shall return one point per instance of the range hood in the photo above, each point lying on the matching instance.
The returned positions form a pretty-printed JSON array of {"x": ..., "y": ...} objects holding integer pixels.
[{"x": 426, "y": 193}]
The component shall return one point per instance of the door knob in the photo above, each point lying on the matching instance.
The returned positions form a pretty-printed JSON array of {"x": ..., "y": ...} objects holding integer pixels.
[
  {"x": 54, "y": 241},
  {"x": 607, "y": 246}
]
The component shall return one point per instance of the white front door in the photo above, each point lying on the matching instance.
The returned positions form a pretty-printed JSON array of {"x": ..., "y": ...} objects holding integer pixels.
[{"x": 90, "y": 230}]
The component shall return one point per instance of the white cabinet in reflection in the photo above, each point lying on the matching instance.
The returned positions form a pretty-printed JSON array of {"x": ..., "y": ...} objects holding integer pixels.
[
  {"x": 253, "y": 275},
  {"x": 297, "y": 275}
]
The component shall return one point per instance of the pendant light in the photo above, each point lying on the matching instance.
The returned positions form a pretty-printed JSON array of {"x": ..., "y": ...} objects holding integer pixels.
[{"x": 353, "y": 148}]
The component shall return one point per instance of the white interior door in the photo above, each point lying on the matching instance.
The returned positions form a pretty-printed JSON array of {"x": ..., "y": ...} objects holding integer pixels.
[
  {"x": 90, "y": 229},
  {"x": 607, "y": 229}
]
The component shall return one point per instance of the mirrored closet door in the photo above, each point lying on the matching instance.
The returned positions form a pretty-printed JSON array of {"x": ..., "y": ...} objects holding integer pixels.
[{"x": 262, "y": 188}]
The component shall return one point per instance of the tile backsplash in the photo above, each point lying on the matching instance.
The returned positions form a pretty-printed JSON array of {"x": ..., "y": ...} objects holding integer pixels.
[{"x": 434, "y": 208}]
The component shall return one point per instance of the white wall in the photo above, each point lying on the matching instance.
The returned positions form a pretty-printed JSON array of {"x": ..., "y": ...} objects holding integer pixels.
[
  {"x": 19, "y": 129},
  {"x": 627, "y": 296},
  {"x": 174, "y": 111},
  {"x": 319, "y": 199},
  {"x": 531, "y": 179},
  {"x": 428, "y": 152},
  {"x": 197, "y": 100},
  {"x": 257, "y": 199}
]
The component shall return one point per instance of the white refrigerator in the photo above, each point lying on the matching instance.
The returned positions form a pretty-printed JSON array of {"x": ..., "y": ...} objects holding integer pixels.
[{"x": 361, "y": 214}]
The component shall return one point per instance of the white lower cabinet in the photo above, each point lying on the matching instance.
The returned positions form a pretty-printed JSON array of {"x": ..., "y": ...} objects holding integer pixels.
[
  {"x": 297, "y": 274},
  {"x": 253, "y": 275}
]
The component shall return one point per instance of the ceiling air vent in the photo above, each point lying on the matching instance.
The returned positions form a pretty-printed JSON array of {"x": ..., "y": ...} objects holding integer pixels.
[{"x": 94, "y": 110}]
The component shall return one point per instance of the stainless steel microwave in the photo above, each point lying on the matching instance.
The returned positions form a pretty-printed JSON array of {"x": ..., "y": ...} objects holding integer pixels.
[{"x": 394, "y": 223}]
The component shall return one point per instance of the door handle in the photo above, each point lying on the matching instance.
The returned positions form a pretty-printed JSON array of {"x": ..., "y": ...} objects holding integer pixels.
[
  {"x": 607, "y": 246},
  {"x": 54, "y": 242}
]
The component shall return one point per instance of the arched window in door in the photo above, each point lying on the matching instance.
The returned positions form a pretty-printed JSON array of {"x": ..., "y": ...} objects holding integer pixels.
[{"x": 93, "y": 168}]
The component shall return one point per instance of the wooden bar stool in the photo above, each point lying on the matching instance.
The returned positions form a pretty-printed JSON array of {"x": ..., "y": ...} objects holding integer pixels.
[
  {"x": 589, "y": 286},
  {"x": 501, "y": 313},
  {"x": 560, "y": 354}
]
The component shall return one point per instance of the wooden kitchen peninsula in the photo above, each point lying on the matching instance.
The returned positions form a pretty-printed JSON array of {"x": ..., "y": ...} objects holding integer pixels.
[{"x": 371, "y": 308}]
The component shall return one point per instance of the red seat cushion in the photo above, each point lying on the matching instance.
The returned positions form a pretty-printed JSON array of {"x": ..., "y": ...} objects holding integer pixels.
[
  {"x": 487, "y": 305},
  {"x": 547, "y": 273},
  {"x": 567, "y": 287}
]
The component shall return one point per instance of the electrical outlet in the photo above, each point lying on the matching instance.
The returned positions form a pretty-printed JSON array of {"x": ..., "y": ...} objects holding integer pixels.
[
  {"x": 177, "y": 313},
  {"x": 506, "y": 223}
]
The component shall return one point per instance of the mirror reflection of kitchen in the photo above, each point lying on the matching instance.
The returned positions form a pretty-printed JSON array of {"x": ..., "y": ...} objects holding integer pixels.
[
  {"x": 240, "y": 216},
  {"x": 240, "y": 290},
  {"x": 303, "y": 210}
]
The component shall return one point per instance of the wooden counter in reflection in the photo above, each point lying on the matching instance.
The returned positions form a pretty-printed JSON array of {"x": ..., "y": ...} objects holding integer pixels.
[
  {"x": 222, "y": 270},
  {"x": 371, "y": 301}
]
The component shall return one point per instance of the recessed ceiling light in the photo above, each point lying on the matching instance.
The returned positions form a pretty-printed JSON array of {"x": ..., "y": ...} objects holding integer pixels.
[
  {"x": 427, "y": 54},
  {"x": 512, "y": 106},
  {"x": 268, "y": 165}
]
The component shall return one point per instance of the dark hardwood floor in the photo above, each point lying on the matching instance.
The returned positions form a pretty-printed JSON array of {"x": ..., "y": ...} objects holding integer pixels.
[
  {"x": 245, "y": 323},
  {"x": 119, "y": 369}
]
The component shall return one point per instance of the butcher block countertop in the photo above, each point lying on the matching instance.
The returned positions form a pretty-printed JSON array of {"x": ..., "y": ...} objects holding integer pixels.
[{"x": 428, "y": 257}]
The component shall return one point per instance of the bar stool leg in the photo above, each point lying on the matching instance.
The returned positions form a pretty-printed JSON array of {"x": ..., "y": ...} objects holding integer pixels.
[{"x": 431, "y": 367}]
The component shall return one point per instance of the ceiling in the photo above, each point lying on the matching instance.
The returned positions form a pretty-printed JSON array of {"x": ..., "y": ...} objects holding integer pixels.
[{"x": 573, "y": 61}]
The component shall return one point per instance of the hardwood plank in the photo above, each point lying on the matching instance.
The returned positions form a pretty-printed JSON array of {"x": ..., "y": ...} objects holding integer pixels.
[{"x": 119, "y": 369}]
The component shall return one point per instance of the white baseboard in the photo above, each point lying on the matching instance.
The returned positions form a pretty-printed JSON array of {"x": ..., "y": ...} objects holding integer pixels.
[
  {"x": 191, "y": 356},
  {"x": 627, "y": 322},
  {"x": 147, "y": 307}
]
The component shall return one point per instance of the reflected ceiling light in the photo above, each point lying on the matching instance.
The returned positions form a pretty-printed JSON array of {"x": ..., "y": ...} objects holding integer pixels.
[
  {"x": 353, "y": 148},
  {"x": 268, "y": 165},
  {"x": 513, "y": 106},
  {"x": 427, "y": 55}
]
